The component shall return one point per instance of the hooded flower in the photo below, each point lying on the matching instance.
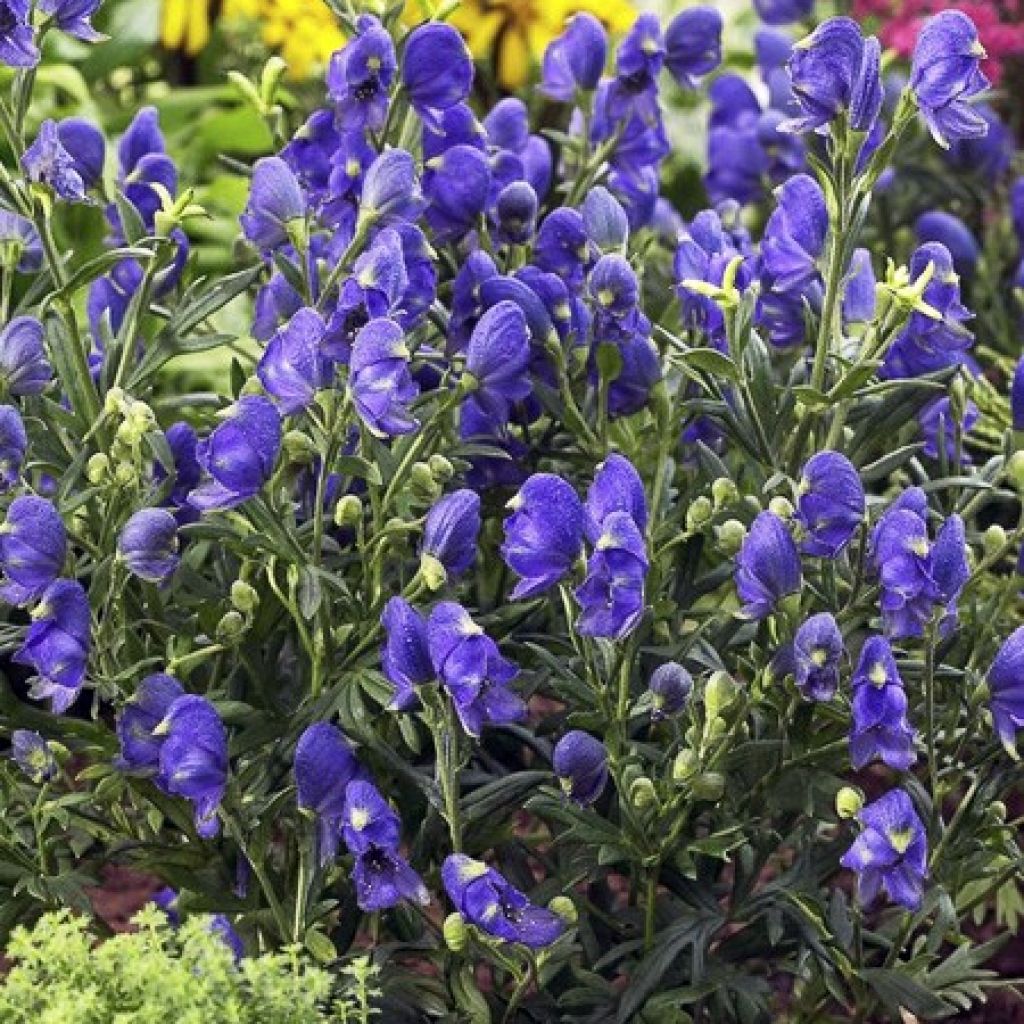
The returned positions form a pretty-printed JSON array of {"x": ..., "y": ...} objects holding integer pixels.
[
  {"x": 1006, "y": 690},
  {"x": 767, "y": 566},
  {"x": 581, "y": 763},
  {"x": 437, "y": 69},
  {"x": 276, "y": 204},
  {"x": 543, "y": 535},
  {"x": 391, "y": 190},
  {"x": 33, "y": 545},
  {"x": 831, "y": 503},
  {"x": 817, "y": 650},
  {"x": 489, "y": 902},
  {"x": 617, "y": 487},
  {"x": 575, "y": 60},
  {"x": 693, "y": 45},
  {"x": 379, "y": 379},
  {"x": 149, "y": 545},
  {"x": 891, "y": 853},
  {"x": 670, "y": 686},
  {"x": 48, "y": 163},
  {"x": 457, "y": 186},
  {"x": 879, "y": 729},
  {"x": 32, "y": 754},
  {"x": 783, "y": 12},
  {"x": 292, "y": 368},
  {"x": 405, "y": 656},
  {"x": 955, "y": 235},
  {"x": 13, "y": 445},
  {"x": 497, "y": 361},
  {"x": 72, "y": 17},
  {"x": 139, "y": 717},
  {"x": 611, "y": 597},
  {"x": 23, "y": 366},
  {"x": 360, "y": 76},
  {"x": 450, "y": 535},
  {"x": 17, "y": 40}
]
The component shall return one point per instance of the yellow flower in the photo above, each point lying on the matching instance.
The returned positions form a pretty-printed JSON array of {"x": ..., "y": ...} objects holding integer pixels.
[{"x": 185, "y": 25}]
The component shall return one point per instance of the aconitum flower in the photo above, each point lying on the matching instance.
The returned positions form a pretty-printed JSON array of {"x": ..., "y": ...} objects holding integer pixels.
[
  {"x": 240, "y": 455},
  {"x": 20, "y": 235},
  {"x": 1006, "y": 690},
  {"x": 72, "y": 17},
  {"x": 830, "y": 506},
  {"x": 437, "y": 69},
  {"x": 611, "y": 597},
  {"x": 148, "y": 545},
  {"x": 23, "y": 366},
  {"x": 817, "y": 650},
  {"x": 56, "y": 646},
  {"x": 543, "y": 535},
  {"x": 498, "y": 359},
  {"x": 17, "y": 40},
  {"x": 360, "y": 75},
  {"x": 945, "y": 75},
  {"x": 450, "y": 534},
  {"x": 955, "y": 235},
  {"x": 783, "y": 12},
  {"x": 474, "y": 673},
  {"x": 581, "y": 763},
  {"x": 32, "y": 754},
  {"x": 1017, "y": 396},
  {"x": 325, "y": 764},
  {"x": 404, "y": 655},
  {"x": 276, "y": 203},
  {"x": 515, "y": 213},
  {"x": 186, "y": 472},
  {"x": 879, "y": 729},
  {"x": 457, "y": 186},
  {"x": 614, "y": 286},
  {"x": 292, "y": 368},
  {"x": 139, "y": 717},
  {"x": 939, "y": 427},
  {"x": 767, "y": 566},
  {"x": 380, "y": 382},
  {"x": 617, "y": 487},
  {"x": 575, "y": 60},
  {"x": 33, "y": 545},
  {"x": 670, "y": 686},
  {"x": 835, "y": 69},
  {"x": 13, "y": 445},
  {"x": 48, "y": 163},
  {"x": 605, "y": 220},
  {"x": 391, "y": 189},
  {"x": 693, "y": 45},
  {"x": 194, "y": 758},
  {"x": 563, "y": 247},
  {"x": 489, "y": 902},
  {"x": 891, "y": 853}
]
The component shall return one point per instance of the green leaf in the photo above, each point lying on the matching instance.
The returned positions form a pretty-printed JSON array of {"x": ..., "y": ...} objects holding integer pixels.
[{"x": 898, "y": 990}]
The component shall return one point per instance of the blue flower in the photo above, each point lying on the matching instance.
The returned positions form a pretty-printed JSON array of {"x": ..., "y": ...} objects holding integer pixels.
[
  {"x": 489, "y": 902},
  {"x": 24, "y": 369},
  {"x": 767, "y": 566},
  {"x": 1006, "y": 690},
  {"x": 543, "y": 535},
  {"x": 391, "y": 189},
  {"x": 515, "y": 213},
  {"x": 939, "y": 429},
  {"x": 830, "y": 506},
  {"x": 638, "y": 62},
  {"x": 581, "y": 763},
  {"x": 616, "y": 487},
  {"x": 56, "y": 646},
  {"x": 139, "y": 717},
  {"x": 614, "y": 285},
  {"x": 33, "y": 545},
  {"x": 194, "y": 758},
  {"x": 293, "y": 368},
  {"x": 459, "y": 126},
  {"x": 47, "y": 162},
  {"x": 13, "y": 445},
  {"x": 605, "y": 220},
  {"x": 325, "y": 764},
  {"x": 1017, "y": 396},
  {"x": 32, "y": 754},
  {"x": 360, "y": 75},
  {"x": 457, "y": 185},
  {"x": 183, "y": 444},
  {"x": 612, "y": 595},
  {"x": 563, "y": 247},
  {"x": 575, "y": 60},
  {"x": 891, "y": 853},
  {"x": 670, "y": 686},
  {"x": 450, "y": 534},
  {"x": 404, "y": 655},
  {"x": 474, "y": 673},
  {"x": 879, "y": 729},
  {"x": 497, "y": 361},
  {"x": 817, "y": 649},
  {"x": 85, "y": 144},
  {"x": 693, "y": 45},
  {"x": 437, "y": 69},
  {"x": 783, "y": 12},
  {"x": 148, "y": 545},
  {"x": 239, "y": 456},
  {"x": 17, "y": 40},
  {"x": 945, "y": 75},
  {"x": 72, "y": 17},
  {"x": 20, "y": 236},
  {"x": 955, "y": 235},
  {"x": 275, "y": 205},
  {"x": 380, "y": 382}
]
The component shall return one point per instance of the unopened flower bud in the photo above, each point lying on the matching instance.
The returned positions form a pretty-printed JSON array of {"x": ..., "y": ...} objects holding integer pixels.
[
  {"x": 348, "y": 511},
  {"x": 114, "y": 401},
  {"x": 230, "y": 627},
  {"x": 565, "y": 909},
  {"x": 849, "y": 802},
  {"x": 994, "y": 539},
  {"x": 997, "y": 811},
  {"x": 782, "y": 507},
  {"x": 455, "y": 933},
  {"x": 709, "y": 786},
  {"x": 642, "y": 793},
  {"x": 699, "y": 513},
  {"x": 724, "y": 492},
  {"x": 440, "y": 467},
  {"x": 97, "y": 468},
  {"x": 244, "y": 597},
  {"x": 125, "y": 474},
  {"x": 422, "y": 479},
  {"x": 298, "y": 447},
  {"x": 433, "y": 572},
  {"x": 730, "y": 536}
]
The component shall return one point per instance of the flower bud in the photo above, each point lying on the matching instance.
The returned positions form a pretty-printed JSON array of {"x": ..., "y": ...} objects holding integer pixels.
[
  {"x": 724, "y": 492},
  {"x": 642, "y": 793},
  {"x": 125, "y": 475},
  {"x": 581, "y": 763},
  {"x": 730, "y": 536},
  {"x": 114, "y": 401},
  {"x": 148, "y": 545},
  {"x": 231, "y": 627},
  {"x": 685, "y": 765},
  {"x": 432, "y": 572},
  {"x": 1015, "y": 471},
  {"x": 565, "y": 909},
  {"x": 994, "y": 539},
  {"x": 244, "y": 597},
  {"x": 849, "y": 802},
  {"x": 97, "y": 468},
  {"x": 440, "y": 467},
  {"x": 709, "y": 786},
  {"x": 421, "y": 479},
  {"x": 670, "y": 686},
  {"x": 455, "y": 933},
  {"x": 298, "y": 448},
  {"x": 699, "y": 513},
  {"x": 719, "y": 693},
  {"x": 782, "y": 507},
  {"x": 348, "y": 511},
  {"x": 996, "y": 811}
]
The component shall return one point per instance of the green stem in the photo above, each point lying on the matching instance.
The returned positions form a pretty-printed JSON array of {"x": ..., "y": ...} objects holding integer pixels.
[{"x": 650, "y": 907}]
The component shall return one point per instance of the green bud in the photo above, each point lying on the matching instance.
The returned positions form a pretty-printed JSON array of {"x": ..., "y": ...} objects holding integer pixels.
[
  {"x": 114, "y": 401},
  {"x": 715, "y": 727},
  {"x": 724, "y": 492},
  {"x": 698, "y": 514},
  {"x": 849, "y": 802},
  {"x": 684, "y": 766},
  {"x": 440, "y": 467},
  {"x": 273, "y": 72},
  {"x": 97, "y": 468},
  {"x": 455, "y": 933},
  {"x": 782, "y": 507},
  {"x": 709, "y": 786},
  {"x": 994, "y": 539},
  {"x": 298, "y": 447},
  {"x": 730, "y": 536},
  {"x": 565, "y": 909},
  {"x": 246, "y": 89},
  {"x": 348, "y": 511},
  {"x": 719, "y": 693},
  {"x": 422, "y": 479},
  {"x": 995, "y": 810},
  {"x": 230, "y": 627},
  {"x": 252, "y": 386},
  {"x": 125, "y": 474},
  {"x": 433, "y": 572},
  {"x": 244, "y": 597},
  {"x": 1015, "y": 471},
  {"x": 642, "y": 793}
]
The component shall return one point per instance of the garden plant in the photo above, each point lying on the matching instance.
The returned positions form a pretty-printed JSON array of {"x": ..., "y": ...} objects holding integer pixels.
[{"x": 510, "y": 567}]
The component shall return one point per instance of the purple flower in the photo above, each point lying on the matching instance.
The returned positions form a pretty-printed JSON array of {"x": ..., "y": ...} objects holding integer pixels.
[
  {"x": 563, "y": 246},
  {"x": 276, "y": 203},
  {"x": 489, "y": 902},
  {"x": 614, "y": 285},
  {"x": 48, "y": 163},
  {"x": 891, "y": 853},
  {"x": 20, "y": 234},
  {"x": 33, "y": 545},
  {"x": 617, "y": 487},
  {"x": 612, "y": 595},
  {"x": 693, "y": 45},
  {"x": 515, "y": 213},
  {"x": 498, "y": 359},
  {"x": 474, "y": 673},
  {"x": 148, "y": 544},
  {"x": 85, "y": 144},
  {"x": 17, "y": 40},
  {"x": 360, "y": 75},
  {"x": 783, "y": 12},
  {"x": 575, "y": 60},
  {"x": 239, "y": 456},
  {"x": 391, "y": 190},
  {"x": 638, "y": 62},
  {"x": 457, "y": 185},
  {"x": 24, "y": 369},
  {"x": 459, "y": 127},
  {"x": 13, "y": 445},
  {"x": 183, "y": 444},
  {"x": 1006, "y": 690},
  {"x": 404, "y": 655},
  {"x": 293, "y": 368},
  {"x": 56, "y": 646},
  {"x": 450, "y": 534},
  {"x": 879, "y": 729},
  {"x": 32, "y": 754},
  {"x": 367, "y": 819},
  {"x": 325, "y": 764},
  {"x": 955, "y": 235},
  {"x": 670, "y": 686},
  {"x": 581, "y": 763},
  {"x": 605, "y": 220},
  {"x": 194, "y": 758},
  {"x": 380, "y": 382},
  {"x": 1017, "y": 396},
  {"x": 831, "y": 504},
  {"x": 437, "y": 69},
  {"x": 939, "y": 429},
  {"x": 543, "y": 535},
  {"x": 139, "y": 717},
  {"x": 945, "y": 75},
  {"x": 767, "y": 566},
  {"x": 817, "y": 650},
  {"x": 72, "y": 17}
]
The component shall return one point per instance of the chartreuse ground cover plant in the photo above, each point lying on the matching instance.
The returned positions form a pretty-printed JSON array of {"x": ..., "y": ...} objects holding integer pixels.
[{"x": 551, "y": 607}]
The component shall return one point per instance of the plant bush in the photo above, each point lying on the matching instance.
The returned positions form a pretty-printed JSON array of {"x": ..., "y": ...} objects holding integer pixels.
[{"x": 588, "y": 613}]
